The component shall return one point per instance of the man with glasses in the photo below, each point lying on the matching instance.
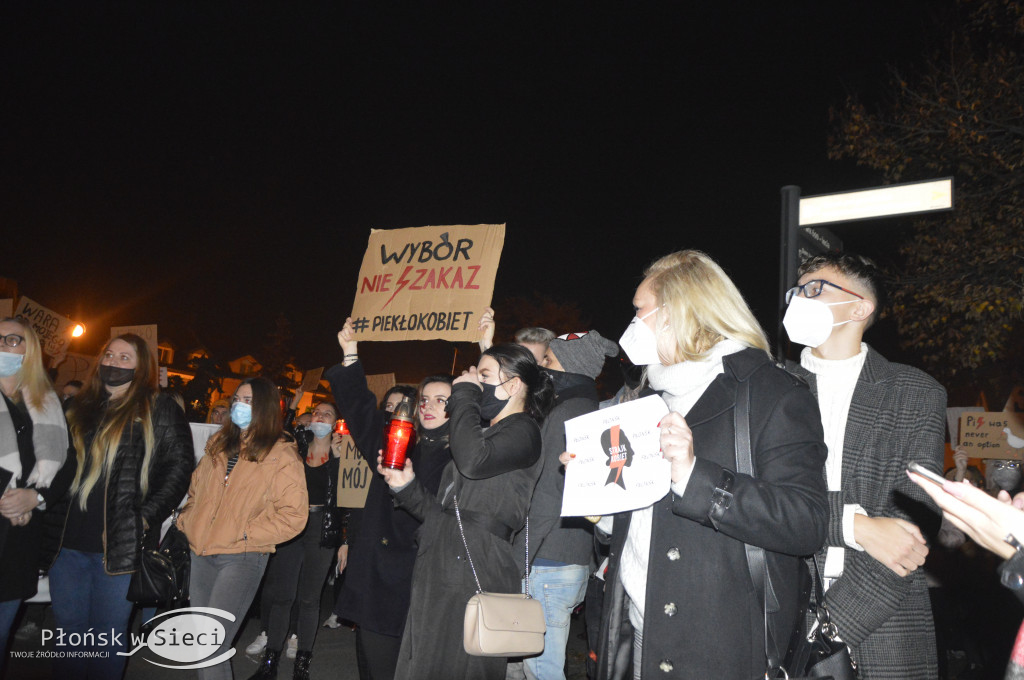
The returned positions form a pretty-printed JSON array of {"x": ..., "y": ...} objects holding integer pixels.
[{"x": 877, "y": 417}]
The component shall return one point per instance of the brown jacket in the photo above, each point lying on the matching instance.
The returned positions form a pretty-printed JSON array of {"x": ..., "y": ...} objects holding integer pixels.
[{"x": 261, "y": 505}]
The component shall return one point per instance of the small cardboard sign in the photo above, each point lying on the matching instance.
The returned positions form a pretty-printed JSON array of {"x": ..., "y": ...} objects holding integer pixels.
[
  {"x": 425, "y": 283},
  {"x": 145, "y": 331},
  {"x": 379, "y": 384},
  {"x": 992, "y": 434},
  {"x": 618, "y": 464},
  {"x": 53, "y": 329},
  {"x": 311, "y": 380},
  {"x": 353, "y": 476}
]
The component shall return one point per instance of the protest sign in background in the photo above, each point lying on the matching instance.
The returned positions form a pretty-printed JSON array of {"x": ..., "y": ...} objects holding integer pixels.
[
  {"x": 992, "y": 434},
  {"x": 354, "y": 473},
  {"x": 145, "y": 331},
  {"x": 53, "y": 329},
  {"x": 6, "y": 308},
  {"x": 426, "y": 283}
]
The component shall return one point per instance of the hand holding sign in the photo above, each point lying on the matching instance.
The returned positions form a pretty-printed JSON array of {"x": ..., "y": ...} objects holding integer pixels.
[{"x": 677, "y": 445}]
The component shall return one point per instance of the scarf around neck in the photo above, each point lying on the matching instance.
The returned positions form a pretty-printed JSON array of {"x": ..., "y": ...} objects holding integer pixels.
[{"x": 49, "y": 440}]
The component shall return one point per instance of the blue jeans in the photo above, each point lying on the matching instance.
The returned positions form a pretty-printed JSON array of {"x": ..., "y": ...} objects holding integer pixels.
[
  {"x": 560, "y": 590},
  {"x": 227, "y": 582},
  {"x": 8, "y": 612},
  {"x": 84, "y": 596}
]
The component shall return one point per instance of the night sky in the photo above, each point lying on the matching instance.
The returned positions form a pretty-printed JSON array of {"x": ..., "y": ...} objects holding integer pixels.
[{"x": 207, "y": 166}]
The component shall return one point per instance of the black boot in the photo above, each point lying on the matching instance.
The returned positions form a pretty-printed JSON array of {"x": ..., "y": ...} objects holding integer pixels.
[
  {"x": 301, "y": 671},
  {"x": 268, "y": 666}
]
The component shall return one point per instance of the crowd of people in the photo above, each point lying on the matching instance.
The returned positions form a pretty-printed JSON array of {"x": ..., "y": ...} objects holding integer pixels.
[{"x": 780, "y": 475}]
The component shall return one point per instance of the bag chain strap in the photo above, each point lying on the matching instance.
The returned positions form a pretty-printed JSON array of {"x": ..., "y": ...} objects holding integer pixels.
[{"x": 462, "y": 533}]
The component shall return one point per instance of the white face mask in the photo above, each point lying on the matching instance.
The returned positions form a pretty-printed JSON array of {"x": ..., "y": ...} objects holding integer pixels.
[
  {"x": 640, "y": 343},
  {"x": 809, "y": 322}
]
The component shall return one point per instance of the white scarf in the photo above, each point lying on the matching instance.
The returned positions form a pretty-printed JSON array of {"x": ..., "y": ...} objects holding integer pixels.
[
  {"x": 49, "y": 439},
  {"x": 680, "y": 385}
]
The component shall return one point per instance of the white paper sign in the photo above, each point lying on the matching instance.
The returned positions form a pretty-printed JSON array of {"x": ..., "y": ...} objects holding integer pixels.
[{"x": 618, "y": 464}]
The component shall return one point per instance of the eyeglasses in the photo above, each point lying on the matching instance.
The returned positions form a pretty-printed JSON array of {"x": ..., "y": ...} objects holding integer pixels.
[
  {"x": 12, "y": 340},
  {"x": 1006, "y": 464},
  {"x": 813, "y": 289}
]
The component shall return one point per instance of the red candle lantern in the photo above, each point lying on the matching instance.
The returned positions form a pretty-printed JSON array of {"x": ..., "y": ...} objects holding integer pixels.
[
  {"x": 340, "y": 427},
  {"x": 398, "y": 436}
]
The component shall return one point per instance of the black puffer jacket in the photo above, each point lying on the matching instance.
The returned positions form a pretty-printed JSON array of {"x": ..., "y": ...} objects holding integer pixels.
[{"x": 169, "y": 474}]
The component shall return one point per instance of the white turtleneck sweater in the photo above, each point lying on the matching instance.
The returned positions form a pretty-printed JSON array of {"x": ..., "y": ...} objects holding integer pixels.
[
  {"x": 837, "y": 380},
  {"x": 680, "y": 385}
]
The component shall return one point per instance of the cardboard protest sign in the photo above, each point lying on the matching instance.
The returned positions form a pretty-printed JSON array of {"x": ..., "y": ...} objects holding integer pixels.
[
  {"x": 76, "y": 366},
  {"x": 146, "y": 331},
  {"x": 6, "y": 308},
  {"x": 992, "y": 434},
  {"x": 618, "y": 464},
  {"x": 353, "y": 476},
  {"x": 201, "y": 433},
  {"x": 379, "y": 384},
  {"x": 426, "y": 283},
  {"x": 311, "y": 379},
  {"x": 53, "y": 329}
]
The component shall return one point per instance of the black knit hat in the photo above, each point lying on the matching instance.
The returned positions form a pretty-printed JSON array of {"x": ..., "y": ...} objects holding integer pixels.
[{"x": 583, "y": 353}]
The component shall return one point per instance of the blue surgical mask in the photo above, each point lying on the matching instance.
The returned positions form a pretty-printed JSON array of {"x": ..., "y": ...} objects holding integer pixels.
[
  {"x": 10, "y": 363},
  {"x": 241, "y": 414},
  {"x": 321, "y": 430}
]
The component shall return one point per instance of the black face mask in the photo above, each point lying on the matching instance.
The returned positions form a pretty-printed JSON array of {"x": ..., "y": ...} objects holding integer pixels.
[
  {"x": 490, "y": 405},
  {"x": 114, "y": 376}
]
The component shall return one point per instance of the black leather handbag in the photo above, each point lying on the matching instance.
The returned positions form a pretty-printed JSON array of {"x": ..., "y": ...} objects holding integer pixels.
[
  {"x": 163, "y": 574},
  {"x": 820, "y": 654}
]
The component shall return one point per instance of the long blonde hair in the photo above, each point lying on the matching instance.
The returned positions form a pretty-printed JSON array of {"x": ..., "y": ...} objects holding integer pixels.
[
  {"x": 91, "y": 411},
  {"x": 700, "y": 305},
  {"x": 33, "y": 382}
]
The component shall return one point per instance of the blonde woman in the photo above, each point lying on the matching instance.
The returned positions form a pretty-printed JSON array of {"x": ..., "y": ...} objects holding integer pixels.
[
  {"x": 134, "y": 453},
  {"x": 678, "y": 581},
  {"x": 34, "y": 449}
]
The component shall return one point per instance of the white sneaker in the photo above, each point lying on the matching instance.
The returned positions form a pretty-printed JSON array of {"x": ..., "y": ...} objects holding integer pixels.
[
  {"x": 293, "y": 646},
  {"x": 332, "y": 622},
  {"x": 258, "y": 645}
]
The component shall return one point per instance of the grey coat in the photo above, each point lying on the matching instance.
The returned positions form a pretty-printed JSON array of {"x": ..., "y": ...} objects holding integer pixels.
[{"x": 897, "y": 415}]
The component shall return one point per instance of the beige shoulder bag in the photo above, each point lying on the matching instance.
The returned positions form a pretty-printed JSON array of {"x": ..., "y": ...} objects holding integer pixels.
[{"x": 501, "y": 624}]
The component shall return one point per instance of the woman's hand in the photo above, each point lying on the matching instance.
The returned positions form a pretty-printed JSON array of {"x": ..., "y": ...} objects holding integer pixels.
[
  {"x": 960, "y": 461},
  {"x": 337, "y": 444},
  {"x": 18, "y": 502},
  {"x": 347, "y": 339},
  {"x": 296, "y": 399},
  {"x": 677, "y": 446},
  {"x": 342, "y": 558},
  {"x": 985, "y": 519},
  {"x": 396, "y": 478},
  {"x": 469, "y": 376},
  {"x": 486, "y": 329},
  {"x": 566, "y": 457}
]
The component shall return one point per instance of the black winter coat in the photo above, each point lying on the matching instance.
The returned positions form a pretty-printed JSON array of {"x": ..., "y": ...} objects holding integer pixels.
[
  {"x": 701, "y": 619},
  {"x": 382, "y": 538},
  {"x": 169, "y": 473},
  {"x": 493, "y": 472}
]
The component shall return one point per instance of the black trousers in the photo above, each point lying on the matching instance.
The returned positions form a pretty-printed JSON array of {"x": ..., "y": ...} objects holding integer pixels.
[
  {"x": 297, "y": 573},
  {"x": 377, "y": 654}
]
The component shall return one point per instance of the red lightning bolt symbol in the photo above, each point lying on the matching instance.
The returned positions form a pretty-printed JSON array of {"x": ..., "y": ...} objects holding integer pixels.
[{"x": 401, "y": 283}]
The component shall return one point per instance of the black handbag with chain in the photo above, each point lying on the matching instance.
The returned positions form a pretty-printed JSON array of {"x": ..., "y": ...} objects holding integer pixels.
[
  {"x": 163, "y": 574},
  {"x": 820, "y": 654}
]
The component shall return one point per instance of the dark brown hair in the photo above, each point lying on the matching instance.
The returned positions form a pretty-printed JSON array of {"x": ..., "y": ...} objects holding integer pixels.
[{"x": 263, "y": 432}]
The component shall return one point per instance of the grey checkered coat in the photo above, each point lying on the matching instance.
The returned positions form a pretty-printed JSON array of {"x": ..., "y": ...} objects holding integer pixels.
[{"x": 897, "y": 415}]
